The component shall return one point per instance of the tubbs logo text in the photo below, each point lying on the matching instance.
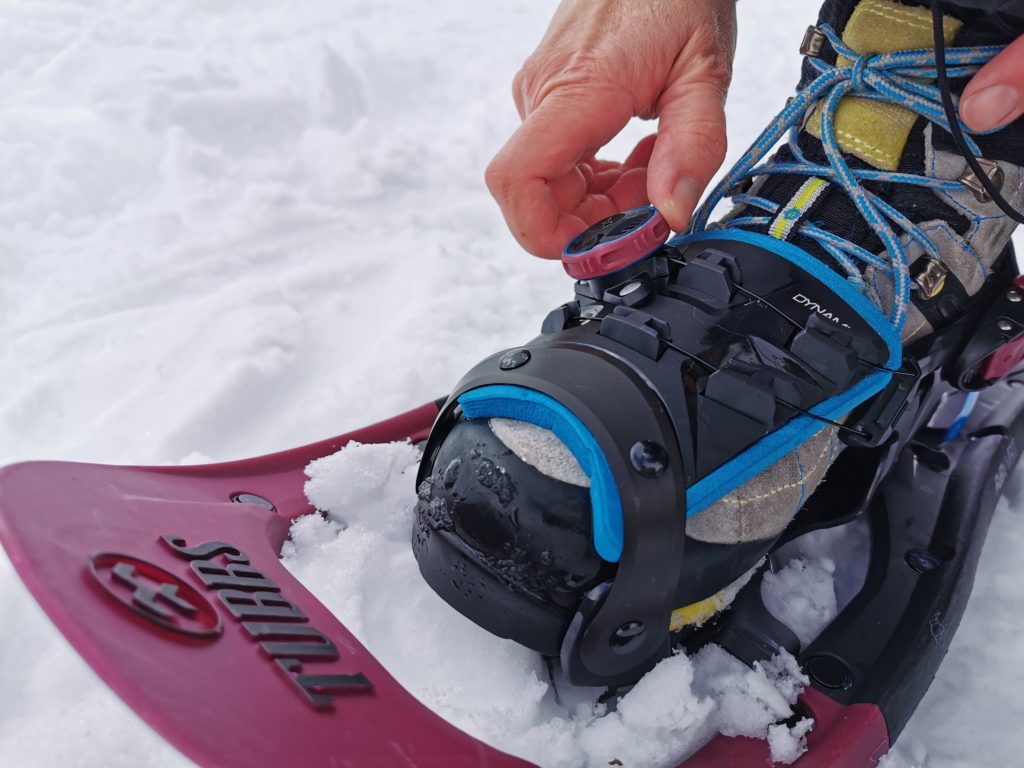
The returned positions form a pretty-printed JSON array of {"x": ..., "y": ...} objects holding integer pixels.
[
  {"x": 814, "y": 306},
  {"x": 279, "y": 626}
]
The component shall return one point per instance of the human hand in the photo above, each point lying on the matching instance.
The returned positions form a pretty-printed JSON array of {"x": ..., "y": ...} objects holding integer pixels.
[
  {"x": 995, "y": 95},
  {"x": 601, "y": 63}
]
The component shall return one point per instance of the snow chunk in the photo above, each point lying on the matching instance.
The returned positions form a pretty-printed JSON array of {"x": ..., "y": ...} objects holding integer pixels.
[
  {"x": 749, "y": 700},
  {"x": 373, "y": 485},
  {"x": 787, "y": 744},
  {"x": 802, "y": 596},
  {"x": 358, "y": 562},
  {"x": 784, "y": 673}
]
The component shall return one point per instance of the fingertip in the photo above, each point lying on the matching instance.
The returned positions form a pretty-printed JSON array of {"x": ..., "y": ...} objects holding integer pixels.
[
  {"x": 550, "y": 246},
  {"x": 630, "y": 189},
  {"x": 991, "y": 108},
  {"x": 691, "y": 146},
  {"x": 641, "y": 154},
  {"x": 548, "y": 242},
  {"x": 587, "y": 171},
  {"x": 541, "y": 247},
  {"x": 678, "y": 205},
  {"x": 994, "y": 97}
]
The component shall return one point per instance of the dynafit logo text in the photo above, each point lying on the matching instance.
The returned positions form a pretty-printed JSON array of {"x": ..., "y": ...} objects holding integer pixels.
[{"x": 814, "y": 306}]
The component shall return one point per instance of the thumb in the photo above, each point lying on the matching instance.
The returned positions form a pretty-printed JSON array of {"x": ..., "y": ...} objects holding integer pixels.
[
  {"x": 689, "y": 149},
  {"x": 995, "y": 96}
]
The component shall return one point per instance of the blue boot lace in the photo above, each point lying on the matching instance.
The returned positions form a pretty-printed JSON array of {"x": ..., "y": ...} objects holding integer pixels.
[{"x": 896, "y": 78}]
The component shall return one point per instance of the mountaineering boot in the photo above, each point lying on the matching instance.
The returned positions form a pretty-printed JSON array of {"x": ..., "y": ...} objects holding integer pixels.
[{"x": 624, "y": 473}]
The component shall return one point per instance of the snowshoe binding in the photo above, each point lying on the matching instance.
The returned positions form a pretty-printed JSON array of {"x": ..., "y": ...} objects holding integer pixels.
[{"x": 602, "y": 492}]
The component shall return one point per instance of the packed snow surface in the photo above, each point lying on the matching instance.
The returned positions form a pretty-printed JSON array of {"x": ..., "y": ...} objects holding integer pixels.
[
  {"x": 358, "y": 562},
  {"x": 231, "y": 227}
]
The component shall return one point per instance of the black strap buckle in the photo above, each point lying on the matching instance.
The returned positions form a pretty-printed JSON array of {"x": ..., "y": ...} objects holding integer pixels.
[
  {"x": 997, "y": 346},
  {"x": 873, "y": 423}
]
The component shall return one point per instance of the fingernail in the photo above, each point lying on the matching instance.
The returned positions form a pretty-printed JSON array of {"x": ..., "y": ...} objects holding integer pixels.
[
  {"x": 991, "y": 107},
  {"x": 685, "y": 196}
]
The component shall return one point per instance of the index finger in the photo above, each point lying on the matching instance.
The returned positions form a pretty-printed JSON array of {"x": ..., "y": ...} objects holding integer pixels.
[
  {"x": 995, "y": 96},
  {"x": 568, "y": 126}
]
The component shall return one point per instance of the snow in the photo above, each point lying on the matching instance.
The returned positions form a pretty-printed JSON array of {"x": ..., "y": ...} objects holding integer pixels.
[
  {"x": 787, "y": 744},
  {"x": 231, "y": 227},
  {"x": 802, "y": 596},
  {"x": 358, "y": 562}
]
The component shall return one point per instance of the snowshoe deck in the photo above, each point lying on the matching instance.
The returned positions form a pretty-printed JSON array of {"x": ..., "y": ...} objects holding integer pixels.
[{"x": 167, "y": 580}]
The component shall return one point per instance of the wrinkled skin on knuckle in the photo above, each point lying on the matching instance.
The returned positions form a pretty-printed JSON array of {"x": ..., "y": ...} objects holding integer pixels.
[
  {"x": 702, "y": 51},
  {"x": 723, "y": 29},
  {"x": 707, "y": 56},
  {"x": 526, "y": 80},
  {"x": 712, "y": 68},
  {"x": 630, "y": 46},
  {"x": 709, "y": 138},
  {"x": 566, "y": 74}
]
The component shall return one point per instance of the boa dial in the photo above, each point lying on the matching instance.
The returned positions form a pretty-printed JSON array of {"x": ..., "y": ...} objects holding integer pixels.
[{"x": 615, "y": 243}]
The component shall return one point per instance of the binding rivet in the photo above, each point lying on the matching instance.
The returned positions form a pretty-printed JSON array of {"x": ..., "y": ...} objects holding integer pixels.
[
  {"x": 813, "y": 42},
  {"x": 252, "y": 498},
  {"x": 1004, "y": 325},
  {"x": 514, "y": 359},
  {"x": 971, "y": 181},
  {"x": 1013, "y": 296},
  {"x": 628, "y": 637},
  {"x": 829, "y": 672},
  {"x": 648, "y": 458},
  {"x": 921, "y": 560},
  {"x": 930, "y": 276}
]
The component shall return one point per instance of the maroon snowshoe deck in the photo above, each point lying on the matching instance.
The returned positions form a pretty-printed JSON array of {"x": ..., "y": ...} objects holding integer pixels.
[{"x": 167, "y": 580}]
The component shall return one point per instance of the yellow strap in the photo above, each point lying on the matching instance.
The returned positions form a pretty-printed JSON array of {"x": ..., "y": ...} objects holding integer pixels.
[
  {"x": 696, "y": 614},
  {"x": 877, "y": 132}
]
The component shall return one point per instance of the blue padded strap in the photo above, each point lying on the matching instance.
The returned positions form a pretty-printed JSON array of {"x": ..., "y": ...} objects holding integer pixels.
[
  {"x": 514, "y": 402},
  {"x": 773, "y": 446}
]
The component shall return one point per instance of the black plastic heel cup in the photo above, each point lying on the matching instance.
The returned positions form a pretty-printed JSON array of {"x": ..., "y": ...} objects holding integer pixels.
[
  {"x": 713, "y": 358},
  {"x": 624, "y": 634}
]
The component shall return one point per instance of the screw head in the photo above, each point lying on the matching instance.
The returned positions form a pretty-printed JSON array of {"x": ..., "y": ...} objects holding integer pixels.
[
  {"x": 252, "y": 498},
  {"x": 922, "y": 560},
  {"x": 1004, "y": 325},
  {"x": 1014, "y": 295},
  {"x": 648, "y": 458},
  {"x": 514, "y": 359},
  {"x": 829, "y": 672},
  {"x": 628, "y": 637}
]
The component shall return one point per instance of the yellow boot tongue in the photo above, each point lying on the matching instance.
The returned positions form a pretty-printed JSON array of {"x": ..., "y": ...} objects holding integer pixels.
[{"x": 875, "y": 131}]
